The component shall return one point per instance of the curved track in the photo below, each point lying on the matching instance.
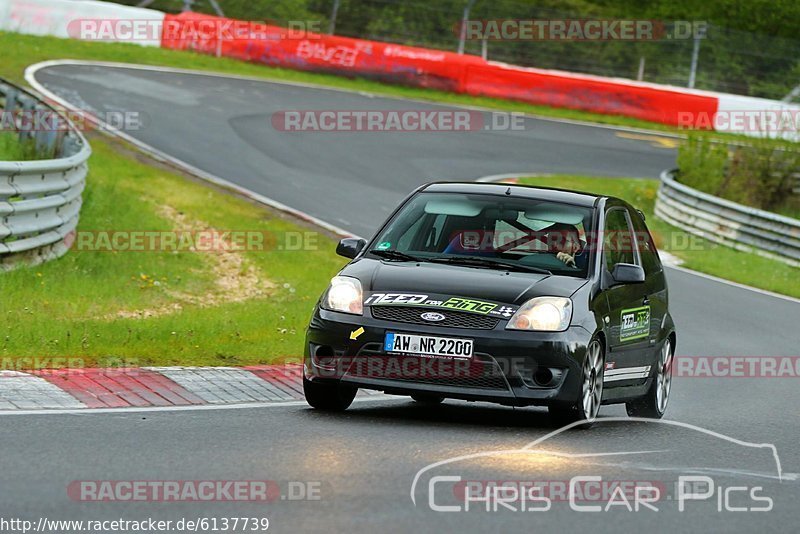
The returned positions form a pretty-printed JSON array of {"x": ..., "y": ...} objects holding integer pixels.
[{"x": 366, "y": 458}]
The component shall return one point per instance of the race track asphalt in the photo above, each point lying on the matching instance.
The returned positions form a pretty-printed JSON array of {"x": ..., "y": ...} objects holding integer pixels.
[{"x": 366, "y": 459}]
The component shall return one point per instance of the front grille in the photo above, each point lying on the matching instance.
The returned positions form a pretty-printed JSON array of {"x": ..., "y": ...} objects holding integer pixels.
[
  {"x": 482, "y": 372},
  {"x": 453, "y": 319}
]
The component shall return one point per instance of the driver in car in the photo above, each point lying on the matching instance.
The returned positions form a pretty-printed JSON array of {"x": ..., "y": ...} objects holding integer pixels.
[{"x": 568, "y": 245}]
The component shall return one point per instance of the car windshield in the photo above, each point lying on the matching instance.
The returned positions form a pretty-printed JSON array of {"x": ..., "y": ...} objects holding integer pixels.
[{"x": 489, "y": 231}]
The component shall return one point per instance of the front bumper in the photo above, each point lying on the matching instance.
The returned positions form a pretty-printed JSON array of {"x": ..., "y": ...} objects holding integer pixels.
[{"x": 508, "y": 367}]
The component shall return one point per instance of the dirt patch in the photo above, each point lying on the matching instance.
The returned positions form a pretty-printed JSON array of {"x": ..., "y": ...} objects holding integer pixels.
[
  {"x": 235, "y": 280},
  {"x": 124, "y": 148}
]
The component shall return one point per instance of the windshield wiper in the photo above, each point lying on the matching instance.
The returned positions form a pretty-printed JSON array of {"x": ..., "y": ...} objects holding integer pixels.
[
  {"x": 469, "y": 261},
  {"x": 394, "y": 255}
]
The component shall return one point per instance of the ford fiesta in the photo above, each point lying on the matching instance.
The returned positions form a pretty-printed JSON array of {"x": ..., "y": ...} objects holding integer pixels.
[{"x": 502, "y": 293}]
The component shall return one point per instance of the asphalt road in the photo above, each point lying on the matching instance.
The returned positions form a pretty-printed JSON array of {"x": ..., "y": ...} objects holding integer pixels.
[
  {"x": 350, "y": 179},
  {"x": 366, "y": 459}
]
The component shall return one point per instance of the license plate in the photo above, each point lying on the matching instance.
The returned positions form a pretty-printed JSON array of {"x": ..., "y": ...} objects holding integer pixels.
[{"x": 443, "y": 347}]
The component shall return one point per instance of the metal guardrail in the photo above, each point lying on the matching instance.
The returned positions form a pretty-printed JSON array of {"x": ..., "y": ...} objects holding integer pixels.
[
  {"x": 40, "y": 200},
  {"x": 728, "y": 223}
]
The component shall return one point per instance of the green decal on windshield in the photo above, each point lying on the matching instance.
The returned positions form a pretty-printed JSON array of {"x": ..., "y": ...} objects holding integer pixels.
[
  {"x": 476, "y": 306},
  {"x": 384, "y": 246},
  {"x": 634, "y": 323}
]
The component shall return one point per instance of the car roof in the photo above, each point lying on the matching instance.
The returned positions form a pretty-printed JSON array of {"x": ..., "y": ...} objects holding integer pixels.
[{"x": 565, "y": 196}]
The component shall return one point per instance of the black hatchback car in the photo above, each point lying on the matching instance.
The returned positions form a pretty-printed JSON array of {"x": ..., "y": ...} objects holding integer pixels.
[{"x": 502, "y": 293}]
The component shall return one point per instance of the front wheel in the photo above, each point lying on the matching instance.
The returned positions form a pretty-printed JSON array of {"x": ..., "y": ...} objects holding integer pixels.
[
  {"x": 653, "y": 404},
  {"x": 586, "y": 407},
  {"x": 328, "y": 396}
]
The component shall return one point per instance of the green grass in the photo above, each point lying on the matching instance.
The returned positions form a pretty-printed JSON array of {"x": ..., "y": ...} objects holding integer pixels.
[
  {"x": 67, "y": 308},
  {"x": 11, "y": 149},
  {"x": 20, "y": 51},
  {"x": 757, "y": 173},
  {"x": 697, "y": 254}
]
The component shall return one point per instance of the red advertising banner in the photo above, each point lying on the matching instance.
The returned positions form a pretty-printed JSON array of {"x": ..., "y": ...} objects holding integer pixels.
[
  {"x": 588, "y": 93},
  {"x": 305, "y": 50}
]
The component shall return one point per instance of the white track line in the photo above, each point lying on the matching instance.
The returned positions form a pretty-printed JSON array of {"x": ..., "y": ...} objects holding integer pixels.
[{"x": 196, "y": 408}]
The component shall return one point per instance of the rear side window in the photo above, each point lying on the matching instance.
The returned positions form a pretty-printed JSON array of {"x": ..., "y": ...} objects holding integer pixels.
[
  {"x": 617, "y": 239},
  {"x": 651, "y": 263}
]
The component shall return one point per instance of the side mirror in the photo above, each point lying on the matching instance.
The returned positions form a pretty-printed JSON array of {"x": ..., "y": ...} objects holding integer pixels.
[
  {"x": 350, "y": 247},
  {"x": 627, "y": 273}
]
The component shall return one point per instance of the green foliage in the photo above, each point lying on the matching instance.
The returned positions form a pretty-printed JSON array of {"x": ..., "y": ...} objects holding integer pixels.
[
  {"x": 13, "y": 149},
  {"x": 757, "y": 172},
  {"x": 763, "y": 175},
  {"x": 702, "y": 162}
]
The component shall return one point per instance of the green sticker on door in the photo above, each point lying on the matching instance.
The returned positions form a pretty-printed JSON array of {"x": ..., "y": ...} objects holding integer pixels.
[{"x": 634, "y": 323}]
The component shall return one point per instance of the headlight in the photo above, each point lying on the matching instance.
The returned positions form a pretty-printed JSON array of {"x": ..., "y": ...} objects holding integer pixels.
[
  {"x": 546, "y": 314},
  {"x": 344, "y": 295}
]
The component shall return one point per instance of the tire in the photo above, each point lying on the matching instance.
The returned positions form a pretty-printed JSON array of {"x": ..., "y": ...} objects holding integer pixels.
[
  {"x": 587, "y": 405},
  {"x": 328, "y": 396},
  {"x": 430, "y": 400},
  {"x": 654, "y": 403}
]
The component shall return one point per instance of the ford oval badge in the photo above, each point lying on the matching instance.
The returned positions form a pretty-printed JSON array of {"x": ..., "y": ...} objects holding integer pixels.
[{"x": 433, "y": 317}]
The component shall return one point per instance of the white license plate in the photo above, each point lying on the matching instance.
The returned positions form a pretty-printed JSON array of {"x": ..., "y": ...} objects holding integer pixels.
[{"x": 444, "y": 347}]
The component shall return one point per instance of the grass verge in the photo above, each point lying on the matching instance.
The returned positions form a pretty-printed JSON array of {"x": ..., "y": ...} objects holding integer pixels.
[
  {"x": 102, "y": 308},
  {"x": 697, "y": 253},
  {"x": 11, "y": 149},
  {"x": 20, "y": 51}
]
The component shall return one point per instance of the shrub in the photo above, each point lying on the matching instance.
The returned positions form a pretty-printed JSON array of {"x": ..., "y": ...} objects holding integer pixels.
[{"x": 761, "y": 173}]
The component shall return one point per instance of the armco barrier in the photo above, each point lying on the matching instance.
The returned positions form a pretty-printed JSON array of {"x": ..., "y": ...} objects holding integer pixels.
[
  {"x": 728, "y": 223},
  {"x": 40, "y": 200},
  {"x": 438, "y": 69}
]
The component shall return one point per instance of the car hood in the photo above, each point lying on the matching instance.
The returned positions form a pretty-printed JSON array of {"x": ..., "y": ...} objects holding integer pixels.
[{"x": 486, "y": 284}]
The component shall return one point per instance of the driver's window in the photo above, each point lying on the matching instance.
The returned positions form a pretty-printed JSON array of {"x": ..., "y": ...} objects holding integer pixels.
[{"x": 617, "y": 239}]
